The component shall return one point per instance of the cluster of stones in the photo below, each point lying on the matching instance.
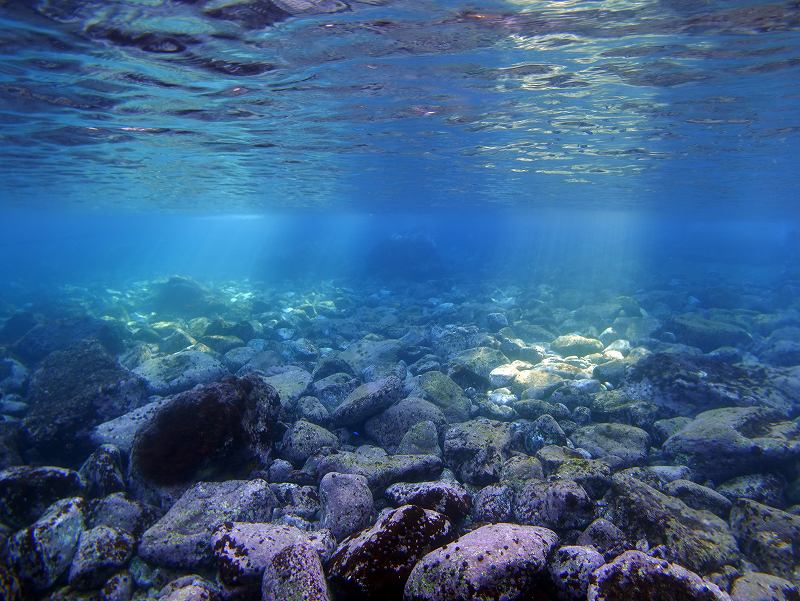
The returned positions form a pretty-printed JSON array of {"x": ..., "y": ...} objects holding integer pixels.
[{"x": 235, "y": 444}]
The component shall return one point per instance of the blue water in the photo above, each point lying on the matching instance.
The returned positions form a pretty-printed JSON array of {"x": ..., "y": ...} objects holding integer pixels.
[{"x": 263, "y": 186}]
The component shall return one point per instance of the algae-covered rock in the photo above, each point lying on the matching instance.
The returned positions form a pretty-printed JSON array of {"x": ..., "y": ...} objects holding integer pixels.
[
  {"x": 180, "y": 371},
  {"x": 381, "y": 470},
  {"x": 304, "y": 439},
  {"x": 724, "y": 443},
  {"x": 295, "y": 573},
  {"x": 389, "y": 427},
  {"x": 636, "y": 576},
  {"x": 442, "y": 391},
  {"x": 376, "y": 563},
  {"x": 347, "y": 503},
  {"x": 476, "y": 449},
  {"x": 445, "y": 496},
  {"x": 472, "y": 367},
  {"x": 182, "y": 538},
  {"x": 26, "y": 492},
  {"x": 497, "y": 561},
  {"x": 367, "y": 400},
  {"x": 619, "y": 445},
  {"x": 694, "y": 538},
  {"x": 768, "y": 536},
  {"x": 575, "y": 344},
  {"x": 558, "y": 505},
  {"x": 757, "y": 586},
  {"x": 101, "y": 552},
  {"x": 571, "y": 568},
  {"x": 706, "y": 334}
]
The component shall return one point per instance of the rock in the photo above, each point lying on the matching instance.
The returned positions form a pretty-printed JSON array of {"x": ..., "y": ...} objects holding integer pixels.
[
  {"x": 181, "y": 371},
  {"x": 381, "y": 471},
  {"x": 783, "y": 353},
  {"x": 10, "y": 438},
  {"x": 73, "y": 391},
  {"x": 371, "y": 354},
  {"x": 617, "y": 406},
  {"x": 221, "y": 344},
  {"x": 592, "y": 475},
  {"x": 121, "y": 513},
  {"x": 497, "y": 561},
  {"x": 664, "y": 428},
  {"x": 570, "y": 570},
  {"x": 446, "y": 497},
  {"x": 537, "y": 383},
  {"x": 496, "y": 321},
  {"x": 604, "y": 536},
  {"x": 368, "y": 400},
  {"x": 518, "y": 470},
  {"x": 560, "y": 504},
  {"x": 635, "y": 576},
  {"x": 13, "y": 379},
  {"x": 694, "y": 538},
  {"x": 291, "y": 382},
  {"x": 311, "y": 409},
  {"x": 535, "y": 408},
  {"x": 768, "y": 489},
  {"x": 618, "y": 444},
  {"x": 476, "y": 449},
  {"x": 684, "y": 384},
  {"x": 102, "y": 551},
  {"x": 237, "y": 357},
  {"x": 471, "y": 367},
  {"x": 334, "y": 389},
  {"x": 389, "y": 427},
  {"x": 304, "y": 439},
  {"x": 376, "y": 563},
  {"x": 421, "y": 439},
  {"x": 328, "y": 366},
  {"x": 190, "y": 588},
  {"x": 699, "y": 497},
  {"x": 544, "y": 430},
  {"x": 443, "y": 392},
  {"x": 10, "y": 589},
  {"x": 346, "y": 503},
  {"x": 706, "y": 334},
  {"x": 202, "y": 428},
  {"x": 295, "y": 574},
  {"x": 16, "y": 326},
  {"x": 42, "y": 552},
  {"x": 295, "y": 500},
  {"x": 26, "y": 492},
  {"x": 493, "y": 503},
  {"x": 121, "y": 431},
  {"x": 60, "y": 334},
  {"x": 724, "y": 443},
  {"x": 574, "y": 344},
  {"x": 551, "y": 457},
  {"x": 243, "y": 550},
  {"x": 102, "y": 472},
  {"x": 768, "y": 536},
  {"x": 757, "y": 586},
  {"x": 119, "y": 587},
  {"x": 182, "y": 538},
  {"x": 181, "y": 295}
]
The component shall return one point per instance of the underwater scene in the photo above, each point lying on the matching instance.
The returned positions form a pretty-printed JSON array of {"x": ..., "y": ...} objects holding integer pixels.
[{"x": 399, "y": 300}]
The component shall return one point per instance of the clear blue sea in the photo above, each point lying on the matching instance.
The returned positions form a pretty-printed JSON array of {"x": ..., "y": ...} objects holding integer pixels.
[{"x": 537, "y": 258}]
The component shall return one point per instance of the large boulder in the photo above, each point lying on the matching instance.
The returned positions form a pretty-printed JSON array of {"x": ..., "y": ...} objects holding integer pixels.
[
  {"x": 381, "y": 470},
  {"x": 72, "y": 391},
  {"x": 180, "y": 371},
  {"x": 475, "y": 450},
  {"x": 724, "y": 443},
  {"x": 619, "y": 445},
  {"x": 635, "y": 576},
  {"x": 694, "y": 538},
  {"x": 182, "y": 538},
  {"x": 182, "y": 296},
  {"x": 498, "y": 561},
  {"x": 706, "y": 334},
  {"x": 375, "y": 563},
  {"x": 201, "y": 429}
]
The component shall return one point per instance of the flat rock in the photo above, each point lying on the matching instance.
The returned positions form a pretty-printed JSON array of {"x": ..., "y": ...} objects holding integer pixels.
[
  {"x": 498, "y": 561},
  {"x": 180, "y": 371},
  {"x": 182, "y": 538},
  {"x": 381, "y": 471}
]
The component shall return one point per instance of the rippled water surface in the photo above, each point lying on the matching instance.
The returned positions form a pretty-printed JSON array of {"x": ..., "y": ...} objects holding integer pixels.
[{"x": 303, "y": 103}]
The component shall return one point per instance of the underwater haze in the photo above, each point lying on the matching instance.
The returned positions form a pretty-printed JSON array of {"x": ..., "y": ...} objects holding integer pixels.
[{"x": 399, "y": 300}]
